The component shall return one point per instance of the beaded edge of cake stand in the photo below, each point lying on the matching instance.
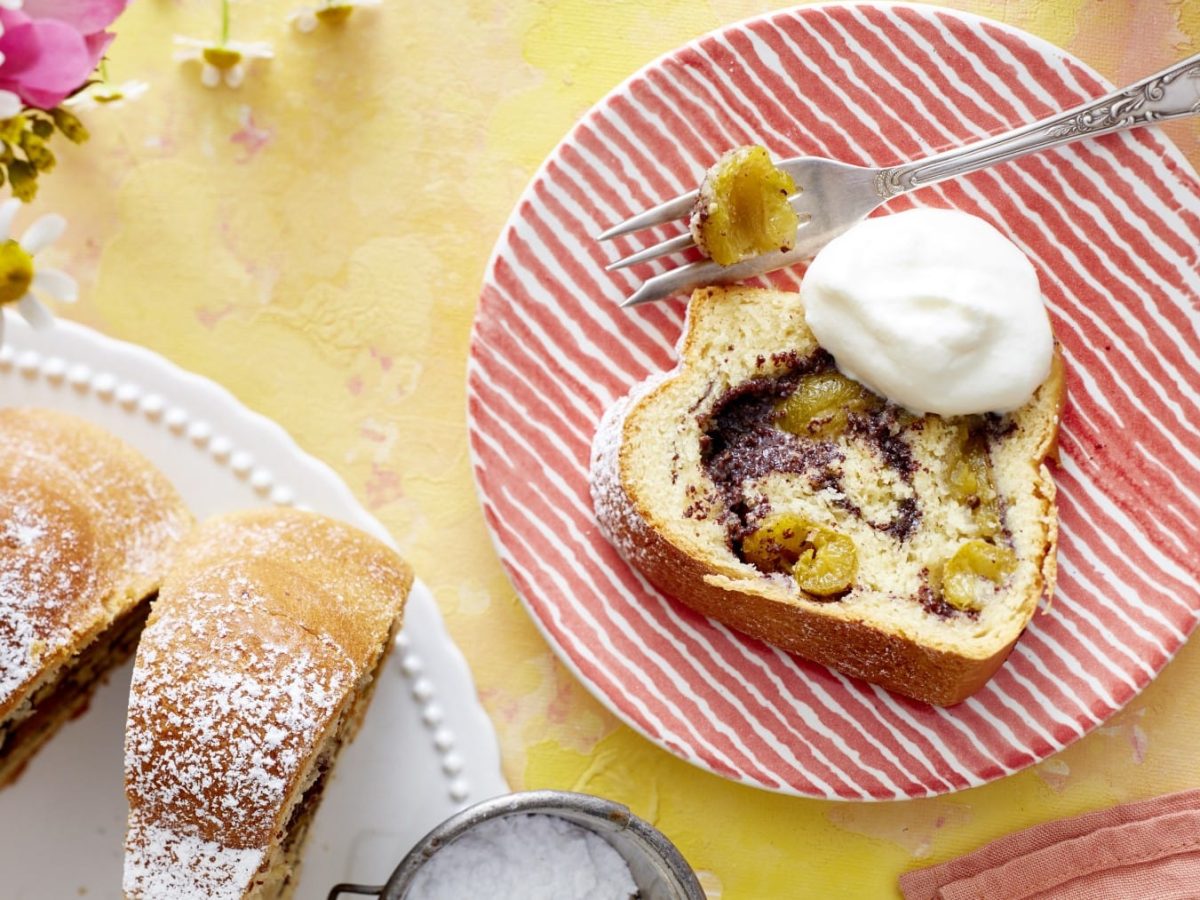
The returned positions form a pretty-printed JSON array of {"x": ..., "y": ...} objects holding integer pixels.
[{"x": 155, "y": 408}]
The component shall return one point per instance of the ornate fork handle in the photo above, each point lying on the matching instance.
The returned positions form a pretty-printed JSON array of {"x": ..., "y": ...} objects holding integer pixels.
[{"x": 1170, "y": 94}]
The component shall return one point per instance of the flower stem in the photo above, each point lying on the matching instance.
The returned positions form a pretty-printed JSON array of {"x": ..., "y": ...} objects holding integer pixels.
[{"x": 224, "y": 22}]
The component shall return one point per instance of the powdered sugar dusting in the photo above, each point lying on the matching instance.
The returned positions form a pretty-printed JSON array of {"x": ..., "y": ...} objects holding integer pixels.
[
  {"x": 608, "y": 497},
  {"x": 227, "y": 704},
  {"x": 24, "y": 534},
  {"x": 369, "y": 577},
  {"x": 144, "y": 516},
  {"x": 179, "y": 865},
  {"x": 525, "y": 857},
  {"x": 148, "y": 506},
  {"x": 47, "y": 577}
]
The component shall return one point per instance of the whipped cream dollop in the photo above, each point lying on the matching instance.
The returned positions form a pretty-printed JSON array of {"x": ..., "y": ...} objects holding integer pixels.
[{"x": 934, "y": 309}]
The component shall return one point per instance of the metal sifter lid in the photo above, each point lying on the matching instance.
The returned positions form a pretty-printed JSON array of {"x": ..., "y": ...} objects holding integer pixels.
[{"x": 658, "y": 868}]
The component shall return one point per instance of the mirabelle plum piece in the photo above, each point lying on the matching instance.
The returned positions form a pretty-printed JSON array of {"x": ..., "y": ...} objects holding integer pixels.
[
  {"x": 819, "y": 405},
  {"x": 974, "y": 563},
  {"x": 822, "y": 560},
  {"x": 828, "y": 567},
  {"x": 969, "y": 477},
  {"x": 742, "y": 209}
]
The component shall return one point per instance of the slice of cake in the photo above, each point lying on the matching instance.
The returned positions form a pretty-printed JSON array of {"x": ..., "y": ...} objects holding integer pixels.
[
  {"x": 761, "y": 487},
  {"x": 255, "y": 668},
  {"x": 87, "y": 529}
]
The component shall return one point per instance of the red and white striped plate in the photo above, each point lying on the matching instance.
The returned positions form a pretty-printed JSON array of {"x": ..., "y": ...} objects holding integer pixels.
[{"x": 1113, "y": 226}]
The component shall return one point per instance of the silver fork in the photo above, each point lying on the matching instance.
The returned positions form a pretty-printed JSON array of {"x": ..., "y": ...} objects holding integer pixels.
[{"x": 834, "y": 196}]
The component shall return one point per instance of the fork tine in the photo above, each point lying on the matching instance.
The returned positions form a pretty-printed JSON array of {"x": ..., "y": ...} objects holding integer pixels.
[
  {"x": 685, "y": 240},
  {"x": 675, "y": 281},
  {"x": 672, "y": 245},
  {"x": 698, "y": 274},
  {"x": 656, "y": 215}
]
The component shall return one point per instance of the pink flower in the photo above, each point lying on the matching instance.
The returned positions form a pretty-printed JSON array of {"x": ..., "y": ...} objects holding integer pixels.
[{"x": 50, "y": 47}]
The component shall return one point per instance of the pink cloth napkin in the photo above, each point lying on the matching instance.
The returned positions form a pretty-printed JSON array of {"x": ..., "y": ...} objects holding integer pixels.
[{"x": 1148, "y": 851}]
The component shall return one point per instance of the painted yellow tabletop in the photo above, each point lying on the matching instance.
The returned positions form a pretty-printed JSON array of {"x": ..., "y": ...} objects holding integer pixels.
[{"x": 315, "y": 242}]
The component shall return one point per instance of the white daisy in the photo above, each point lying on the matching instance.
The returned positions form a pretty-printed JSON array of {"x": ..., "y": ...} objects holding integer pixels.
[
  {"x": 105, "y": 93},
  {"x": 221, "y": 60},
  {"x": 21, "y": 280},
  {"x": 328, "y": 12}
]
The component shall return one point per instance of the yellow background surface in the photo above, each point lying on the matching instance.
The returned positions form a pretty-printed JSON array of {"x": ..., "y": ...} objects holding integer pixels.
[{"x": 315, "y": 242}]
